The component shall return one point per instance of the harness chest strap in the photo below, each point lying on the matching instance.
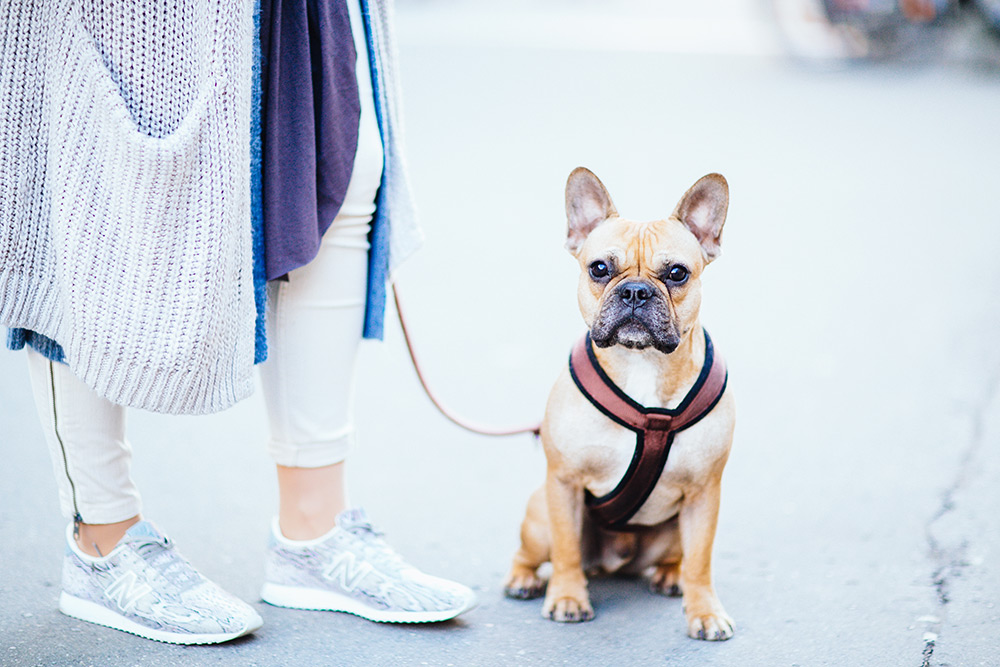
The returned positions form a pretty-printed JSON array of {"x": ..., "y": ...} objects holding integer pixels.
[{"x": 655, "y": 428}]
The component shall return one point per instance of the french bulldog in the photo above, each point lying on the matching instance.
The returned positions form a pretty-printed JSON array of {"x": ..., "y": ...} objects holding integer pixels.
[{"x": 639, "y": 293}]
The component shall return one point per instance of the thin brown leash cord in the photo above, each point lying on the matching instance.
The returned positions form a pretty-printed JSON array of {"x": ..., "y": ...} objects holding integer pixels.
[{"x": 449, "y": 415}]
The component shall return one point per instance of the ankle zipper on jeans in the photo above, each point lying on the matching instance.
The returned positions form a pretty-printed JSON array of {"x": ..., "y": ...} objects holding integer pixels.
[{"x": 77, "y": 518}]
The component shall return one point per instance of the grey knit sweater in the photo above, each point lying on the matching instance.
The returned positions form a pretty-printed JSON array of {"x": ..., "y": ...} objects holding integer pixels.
[{"x": 124, "y": 193}]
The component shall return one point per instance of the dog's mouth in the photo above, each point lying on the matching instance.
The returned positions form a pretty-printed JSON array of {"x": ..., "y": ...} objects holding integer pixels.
[
  {"x": 634, "y": 333},
  {"x": 635, "y": 315}
]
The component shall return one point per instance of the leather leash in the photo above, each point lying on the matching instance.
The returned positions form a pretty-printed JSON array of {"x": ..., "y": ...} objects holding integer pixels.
[
  {"x": 655, "y": 428},
  {"x": 480, "y": 429}
]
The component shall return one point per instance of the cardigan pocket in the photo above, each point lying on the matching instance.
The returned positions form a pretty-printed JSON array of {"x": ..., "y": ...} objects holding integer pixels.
[{"x": 152, "y": 233}]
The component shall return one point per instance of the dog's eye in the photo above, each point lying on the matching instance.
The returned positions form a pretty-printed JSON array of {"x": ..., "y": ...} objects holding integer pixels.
[
  {"x": 599, "y": 270},
  {"x": 678, "y": 274}
]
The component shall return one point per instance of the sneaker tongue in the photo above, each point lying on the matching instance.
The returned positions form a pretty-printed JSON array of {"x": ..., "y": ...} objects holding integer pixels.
[
  {"x": 143, "y": 531},
  {"x": 353, "y": 518}
]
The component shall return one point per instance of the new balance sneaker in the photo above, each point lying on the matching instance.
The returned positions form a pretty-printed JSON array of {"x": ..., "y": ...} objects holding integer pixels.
[
  {"x": 351, "y": 569},
  {"x": 145, "y": 587}
]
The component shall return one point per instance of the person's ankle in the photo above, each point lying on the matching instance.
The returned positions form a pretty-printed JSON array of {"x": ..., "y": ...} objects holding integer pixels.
[
  {"x": 99, "y": 539},
  {"x": 309, "y": 500},
  {"x": 298, "y": 526}
]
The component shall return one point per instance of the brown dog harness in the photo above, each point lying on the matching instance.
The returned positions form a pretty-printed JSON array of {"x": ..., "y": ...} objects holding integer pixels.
[{"x": 654, "y": 428}]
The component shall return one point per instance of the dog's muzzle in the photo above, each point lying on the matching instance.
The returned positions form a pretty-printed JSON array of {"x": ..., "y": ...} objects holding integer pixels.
[{"x": 635, "y": 315}]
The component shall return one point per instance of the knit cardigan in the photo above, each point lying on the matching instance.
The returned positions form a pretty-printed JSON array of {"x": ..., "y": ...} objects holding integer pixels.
[
  {"x": 125, "y": 193},
  {"x": 391, "y": 243}
]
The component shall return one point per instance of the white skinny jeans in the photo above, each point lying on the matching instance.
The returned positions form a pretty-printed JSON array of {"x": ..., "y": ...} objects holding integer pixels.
[{"x": 314, "y": 325}]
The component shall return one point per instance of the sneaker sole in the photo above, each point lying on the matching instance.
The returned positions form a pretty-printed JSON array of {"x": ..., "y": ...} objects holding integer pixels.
[
  {"x": 92, "y": 612},
  {"x": 311, "y": 599}
]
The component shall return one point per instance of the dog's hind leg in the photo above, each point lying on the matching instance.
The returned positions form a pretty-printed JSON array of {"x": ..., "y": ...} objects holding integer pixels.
[
  {"x": 665, "y": 544},
  {"x": 666, "y": 580},
  {"x": 523, "y": 582}
]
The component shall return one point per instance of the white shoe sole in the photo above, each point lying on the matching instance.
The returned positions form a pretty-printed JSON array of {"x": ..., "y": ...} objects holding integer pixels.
[
  {"x": 95, "y": 613},
  {"x": 297, "y": 597}
]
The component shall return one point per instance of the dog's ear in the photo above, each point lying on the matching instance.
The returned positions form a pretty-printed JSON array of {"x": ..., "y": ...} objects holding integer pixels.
[
  {"x": 588, "y": 204},
  {"x": 702, "y": 209}
]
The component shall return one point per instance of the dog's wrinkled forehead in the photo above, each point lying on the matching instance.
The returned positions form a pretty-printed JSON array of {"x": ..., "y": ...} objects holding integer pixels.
[{"x": 641, "y": 248}]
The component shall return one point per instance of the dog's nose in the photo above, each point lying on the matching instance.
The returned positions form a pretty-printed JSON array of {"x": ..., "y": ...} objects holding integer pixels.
[{"x": 635, "y": 294}]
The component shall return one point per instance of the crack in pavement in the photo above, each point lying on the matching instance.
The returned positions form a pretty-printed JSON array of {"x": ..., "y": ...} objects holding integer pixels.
[
  {"x": 949, "y": 557},
  {"x": 929, "y": 640}
]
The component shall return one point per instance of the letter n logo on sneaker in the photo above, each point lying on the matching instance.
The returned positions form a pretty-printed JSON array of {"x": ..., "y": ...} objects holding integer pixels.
[
  {"x": 347, "y": 571},
  {"x": 125, "y": 591}
]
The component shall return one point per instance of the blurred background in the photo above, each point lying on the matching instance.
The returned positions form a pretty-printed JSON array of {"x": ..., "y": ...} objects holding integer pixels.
[{"x": 856, "y": 301}]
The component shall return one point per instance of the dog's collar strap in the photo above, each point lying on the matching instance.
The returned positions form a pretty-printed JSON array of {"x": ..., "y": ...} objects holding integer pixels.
[{"x": 655, "y": 428}]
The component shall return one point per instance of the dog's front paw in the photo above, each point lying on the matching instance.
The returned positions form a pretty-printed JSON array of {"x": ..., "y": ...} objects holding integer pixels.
[
  {"x": 523, "y": 584},
  {"x": 713, "y": 627},
  {"x": 568, "y": 609}
]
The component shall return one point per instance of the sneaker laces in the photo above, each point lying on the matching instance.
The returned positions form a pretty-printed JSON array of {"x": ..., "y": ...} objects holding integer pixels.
[
  {"x": 159, "y": 554},
  {"x": 356, "y": 524},
  {"x": 365, "y": 531}
]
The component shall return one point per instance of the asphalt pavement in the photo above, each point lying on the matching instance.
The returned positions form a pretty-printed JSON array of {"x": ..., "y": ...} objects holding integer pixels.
[{"x": 857, "y": 301}]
